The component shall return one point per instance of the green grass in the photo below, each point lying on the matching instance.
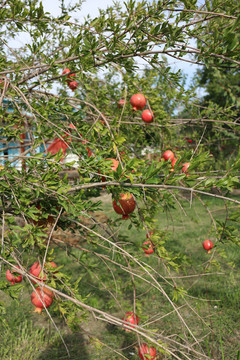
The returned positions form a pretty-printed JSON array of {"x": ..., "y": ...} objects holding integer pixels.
[{"x": 26, "y": 336}]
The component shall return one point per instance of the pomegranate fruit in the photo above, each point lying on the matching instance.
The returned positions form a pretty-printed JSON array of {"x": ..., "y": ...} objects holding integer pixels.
[
  {"x": 131, "y": 318},
  {"x": 40, "y": 297},
  {"x": 66, "y": 71},
  {"x": 185, "y": 167},
  {"x": 126, "y": 205},
  {"x": 147, "y": 247},
  {"x": 11, "y": 275},
  {"x": 168, "y": 154},
  {"x": 207, "y": 245},
  {"x": 138, "y": 101},
  {"x": 73, "y": 85},
  {"x": 36, "y": 270},
  {"x": 121, "y": 103},
  {"x": 151, "y": 352},
  {"x": 173, "y": 161},
  {"x": 147, "y": 116}
]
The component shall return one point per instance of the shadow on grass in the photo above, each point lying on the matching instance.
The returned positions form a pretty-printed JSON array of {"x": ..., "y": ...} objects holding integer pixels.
[{"x": 76, "y": 345}]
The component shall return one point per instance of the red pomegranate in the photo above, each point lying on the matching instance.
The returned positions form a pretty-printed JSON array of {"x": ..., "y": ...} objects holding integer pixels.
[
  {"x": 40, "y": 297},
  {"x": 147, "y": 116},
  {"x": 36, "y": 270},
  {"x": 207, "y": 245},
  {"x": 131, "y": 318},
  {"x": 168, "y": 154},
  {"x": 151, "y": 352},
  {"x": 66, "y": 71},
  {"x": 126, "y": 205},
  {"x": 121, "y": 103},
  {"x": 173, "y": 161},
  {"x": 113, "y": 168},
  {"x": 11, "y": 275},
  {"x": 185, "y": 167},
  {"x": 147, "y": 247},
  {"x": 73, "y": 85},
  {"x": 138, "y": 101}
]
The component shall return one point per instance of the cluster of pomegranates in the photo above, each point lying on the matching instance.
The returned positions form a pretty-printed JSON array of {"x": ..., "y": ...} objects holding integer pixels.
[
  {"x": 144, "y": 349},
  {"x": 72, "y": 84},
  {"x": 138, "y": 102},
  {"x": 168, "y": 154},
  {"x": 41, "y": 297}
]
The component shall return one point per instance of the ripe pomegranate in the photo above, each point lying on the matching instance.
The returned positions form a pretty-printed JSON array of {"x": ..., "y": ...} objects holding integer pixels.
[
  {"x": 151, "y": 352},
  {"x": 138, "y": 101},
  {"x": 73, "y": 85},
  {"x": 121, "y": 103},
  {"x": 127, "y": 205},
  {"x": 173, "y": 161},
  {"x": 40, "y": 297},
  {"x": 36, "y": 270},
  {"x": 185, "y": 167},
  {"x": 131, "y": 318},
  {"x": 147, "y": 116},
  {"x": 207, "y": 245},
  {"x": 147, "y": 247},
  {"x": 11, "y": 275},
  {"x": 72, "y": 126},
  {"x": 168, "y": 154},
  {"x": 66, "y": 71}
]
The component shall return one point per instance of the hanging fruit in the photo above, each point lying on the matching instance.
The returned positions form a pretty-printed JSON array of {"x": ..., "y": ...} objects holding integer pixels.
[
  {"x": 138, "y": 101},
  {"x": 41, "y": 297},
  {"x": 36, "y": 270},
  {"x": 147, "y": 247},
  {"x": 131, "y": 318},
  {"x": 13, "y": 276},
  {"x": 147, "y": 116},
  {"x": 126, "y": 205}
]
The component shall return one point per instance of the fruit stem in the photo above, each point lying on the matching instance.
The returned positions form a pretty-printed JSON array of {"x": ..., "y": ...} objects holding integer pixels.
[{"x": 38, "y": 310}]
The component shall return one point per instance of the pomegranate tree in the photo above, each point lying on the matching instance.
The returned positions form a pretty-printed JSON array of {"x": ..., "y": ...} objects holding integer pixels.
[
  {"x": 41, "y": 297},
  {"x": 146, "y": 352},
  {"x": 131, "y": 318},
  {"x": 126, "y": 205},
  {"x": 13, "y": 276},
  {"x": 147, "y": 116},
  {"x": 36, "y": 270},
  {"x": 207, "y": 245},
  {"x": 138, "y": 101}
]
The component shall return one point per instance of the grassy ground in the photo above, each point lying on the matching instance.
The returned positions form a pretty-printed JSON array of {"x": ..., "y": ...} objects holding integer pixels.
[{"x": 211, "y": 309}]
